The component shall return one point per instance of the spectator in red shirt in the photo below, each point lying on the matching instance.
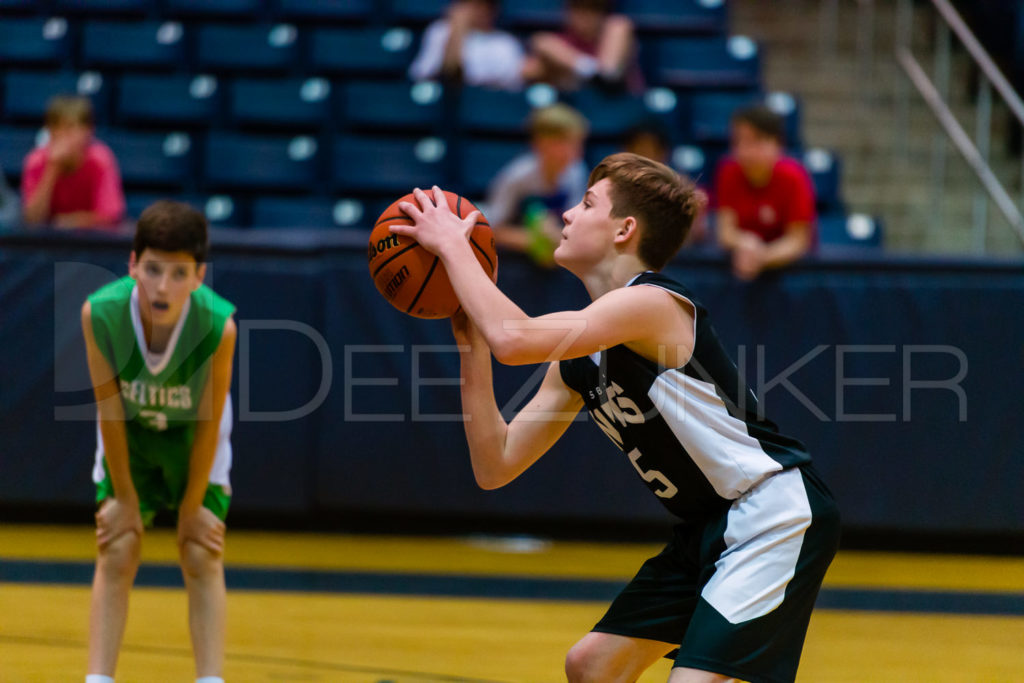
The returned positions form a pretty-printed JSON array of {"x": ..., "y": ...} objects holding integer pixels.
[
  {"x": 596, "y": 45},
  {"x": 765, "y": 200},
  {"x": 74, "y": 181}
]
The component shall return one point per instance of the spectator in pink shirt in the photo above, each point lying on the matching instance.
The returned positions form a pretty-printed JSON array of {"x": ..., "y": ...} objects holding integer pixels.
[{"x": 74, "y": 181}]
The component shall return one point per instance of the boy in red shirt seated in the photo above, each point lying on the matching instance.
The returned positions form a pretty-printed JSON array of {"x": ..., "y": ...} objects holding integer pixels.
[
  {"x": 73, "y": 181},
  {"x": 765, "y": 200}
]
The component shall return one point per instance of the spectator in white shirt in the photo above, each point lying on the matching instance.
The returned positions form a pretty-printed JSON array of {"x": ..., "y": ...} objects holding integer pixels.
[{"x": 465, "y": 47}]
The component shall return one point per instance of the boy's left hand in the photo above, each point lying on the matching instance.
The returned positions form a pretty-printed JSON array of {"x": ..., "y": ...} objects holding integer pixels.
[
  {"x": 434, "y": 226},
  {"x": 203, "y": 527}
]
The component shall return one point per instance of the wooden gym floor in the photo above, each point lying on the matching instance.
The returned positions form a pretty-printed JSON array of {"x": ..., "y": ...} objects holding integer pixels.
[{"x": 313, "y": 607}]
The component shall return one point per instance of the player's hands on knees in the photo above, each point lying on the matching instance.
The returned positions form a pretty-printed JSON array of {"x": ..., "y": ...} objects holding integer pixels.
[
  {"x": 115, "y": 518},
  {"x": 203, "y": 527},
  {"x": 434, "y": 225}
]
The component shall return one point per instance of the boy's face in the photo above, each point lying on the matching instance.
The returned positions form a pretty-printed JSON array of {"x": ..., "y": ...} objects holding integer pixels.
[
  {"x": 589, "y": 232},
  {"x": 72, "y": 139},
  {"x": 585, "y": 22},
  {"x": 557, "y": 152},
  {"x": 755, "y": 152},
  {"x": 166, "y": 279}
]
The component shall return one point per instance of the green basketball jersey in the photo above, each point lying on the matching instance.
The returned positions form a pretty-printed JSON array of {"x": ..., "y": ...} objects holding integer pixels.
[{"x": 160, "y": 393}]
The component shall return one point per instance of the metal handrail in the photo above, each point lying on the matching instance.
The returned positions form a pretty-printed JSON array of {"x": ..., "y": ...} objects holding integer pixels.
[
  {"x": 935, "y": 95},
  {"x": 981, "y": 57},
  {"x": 961, "y": 140}
]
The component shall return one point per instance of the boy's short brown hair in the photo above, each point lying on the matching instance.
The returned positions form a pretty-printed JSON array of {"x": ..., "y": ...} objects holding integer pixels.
[
  {"x": 172, "y": 226},
  {"x": 558, "y": 120},
  {"x": 762, "y": 119},
  {"x": 73, "y": 108},
  {"x": 663, "y": 202}
]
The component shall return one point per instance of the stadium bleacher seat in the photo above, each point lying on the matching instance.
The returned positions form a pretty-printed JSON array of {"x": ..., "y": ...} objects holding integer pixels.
[
  {"x": 483, "y": 110},
  {"x": 220, "y": 210},
  {"x": 151, "y": 159},
  {"x": 15, "y": 144},
  {"x": 176, "y": 100},
  {"x": 855, "y": 230},
  {"x": 18, "y": 5},
  {"x": 532, "y": 14},
  {"x": 678, "y": 17},
  {"x": 286, "y": 102},
  {"x": 362, "y": 52},
  {"x": 97, "y": 7},
  {"x": 247, "y": 48},
  {"x": 26, "y": 93},
  {"x": 788, "y": 107},
  {"x": 393, "y": 105},
  {"x": 692, "y": 161},
  {"x": 315, "y": 212},
  {"x": 243, "y": 9},
  {"x": 710, "y": 113},
  {"x": 732, "y": 62},
  {"x": 136, "y": 45},
  {"x": 417, "y": 11},
  {"x": 610, "y": 115},
  {"x": 262, "y": 162},
  {"x": 825, "y": 168},
  {"x": 35, "y": 41},
  {"x": 328, "y": 10},
  {"x": 388, "y": 165},
  {"x": 481, "y": 160}
]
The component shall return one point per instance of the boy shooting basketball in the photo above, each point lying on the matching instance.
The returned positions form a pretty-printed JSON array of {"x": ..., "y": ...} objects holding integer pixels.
[
  {"x": 731, "y": 595},
  {"x": 160, "y": 347}
]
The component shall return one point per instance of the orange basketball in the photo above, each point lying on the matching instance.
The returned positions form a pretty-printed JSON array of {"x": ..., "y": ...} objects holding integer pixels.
[{"x": 410, "y": 277}]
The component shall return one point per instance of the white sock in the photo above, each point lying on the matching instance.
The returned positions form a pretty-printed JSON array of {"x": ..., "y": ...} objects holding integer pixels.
[
  {"x": 210, "y": 679},
  {"x": 99, "y": 678}
]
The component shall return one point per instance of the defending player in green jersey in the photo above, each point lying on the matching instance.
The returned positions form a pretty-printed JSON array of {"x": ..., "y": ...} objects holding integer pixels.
[{"x": 160, "y": 346}]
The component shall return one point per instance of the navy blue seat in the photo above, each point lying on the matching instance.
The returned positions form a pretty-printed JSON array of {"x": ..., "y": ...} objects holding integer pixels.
[
  {"x": 694, "y": 162},
  {"x": 710, "y": 113},
  {"x": 395, "y": 105},
  {"x": 825, "y": 168},
  {"x": 136, "y": 202},
  {"x": 19, "y": 5},
  {"x": 611, "y": 115},
  {"x": 133, "y": 44},
  {"x": 532, "y": 14},
  {"x": 181, "y": 100},
  {"x": 329, "y": 10},
  {"x": 26, "y": 93},
  {"x": 678, "y": 17},
  {"x": 220, "y": 210},
  {"x": 34, "y": 41},
  {"x": 15, "y": 144},
  {"x": 732, "y": 62},
  {"x": 151, "y": 159},
  {"x": 247, "y": 48},
  {"x": 417, "y": 11},
  {"x": 94, "y": 7},
  {"x": 281, "y": 102},
  {"x": 243, "y": 9},
  {"x": 362, "y": 52},
  {"x": 855, "y": 230},
  {"x": 483, "y": 110},
  {"x": 481, "y": 160},
  {"x": 315, "y": 212},
  {"x": 388, "y": 165},
  {"x": 258, "y": 162}
]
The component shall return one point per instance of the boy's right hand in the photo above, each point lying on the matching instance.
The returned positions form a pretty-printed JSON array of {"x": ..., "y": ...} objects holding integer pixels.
[{"x": 115, "y": 518}]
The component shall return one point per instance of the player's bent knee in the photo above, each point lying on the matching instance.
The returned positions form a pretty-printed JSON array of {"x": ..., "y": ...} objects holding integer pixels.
[
  {"x": 584, "y": 661},
  {"x": 198, "y": 561},
  {"x": 121, "y": 555}
]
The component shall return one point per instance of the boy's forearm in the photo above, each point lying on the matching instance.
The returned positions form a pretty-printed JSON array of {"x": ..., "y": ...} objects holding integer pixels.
[
  {"x": 37, "y": 207},
  {"x": 485, "y": 427},
  {"x": 787, "y": 248},
  {"x": 485, "y": 304},
  {"x": 115, "y": 452}
]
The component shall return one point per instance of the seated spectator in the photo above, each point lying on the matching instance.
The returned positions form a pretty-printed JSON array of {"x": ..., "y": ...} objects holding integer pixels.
[
  {"x": 595, "y": 46},
  {"x": 765, "y": 200},
  {"x": 527, "y": 198},
  {"x": 465, "y": 47},
  {"x": 73, "y": 181},
  {"x": 10, "y": 213}
]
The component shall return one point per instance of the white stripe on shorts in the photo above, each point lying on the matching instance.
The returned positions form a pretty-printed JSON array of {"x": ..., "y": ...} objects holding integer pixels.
[{"x": 763, "y": 536}]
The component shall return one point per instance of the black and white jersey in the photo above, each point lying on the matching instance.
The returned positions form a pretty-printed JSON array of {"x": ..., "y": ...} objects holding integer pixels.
[{"x": 692, "y": 432}]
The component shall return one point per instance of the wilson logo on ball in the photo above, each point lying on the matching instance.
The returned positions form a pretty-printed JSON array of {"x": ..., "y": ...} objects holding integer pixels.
[{"x": 410, "y": 277}]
